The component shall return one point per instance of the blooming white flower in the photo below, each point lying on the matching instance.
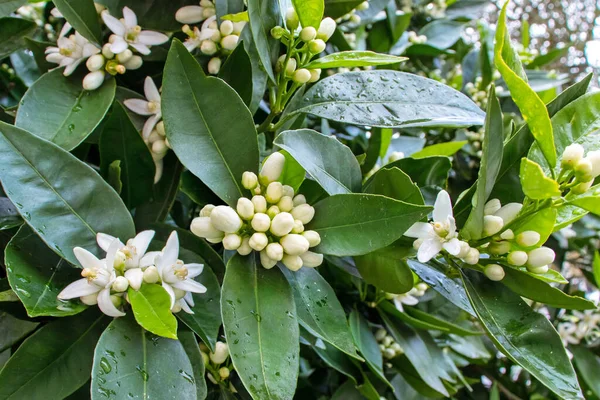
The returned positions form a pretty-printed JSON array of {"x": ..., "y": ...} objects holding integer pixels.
[
  {"x": 439, "y": 234},
  {"x": 98, "y": 278},
  {"x": 71, "y": 50},
  {"x": 129, "y": 254},
  {"x": 149, "y": 107},
  {"x": 409, "y": 298},
  {"x": 127, "y": 33}
]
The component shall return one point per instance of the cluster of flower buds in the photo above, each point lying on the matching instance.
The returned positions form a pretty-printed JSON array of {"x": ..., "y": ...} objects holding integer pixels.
[
  {"x": 106, "y": 281},
  {"x": 216, "y": 363},
  {"x": 578, "y": 172},
  {"x": 272, "y": 222},
  {"x": 352, "y": 16},
  {"x": 580, "y": 326},
  {"x": 388, "y": 346},
  {"x": 478, "y": 94},
  {"x": 415, "y": 38},
  {"x": 211, "y": 38}
]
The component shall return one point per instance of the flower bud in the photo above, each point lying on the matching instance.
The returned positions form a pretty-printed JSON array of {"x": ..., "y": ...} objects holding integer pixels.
[
  {"x": 464, "y": 249},
  {"x": 272, "y": 169},
  {"x": 582, "y": 187},
  {"x": 258, "y": 241},
  {"x": 249, "y": 180},
  {"x": 594, "y": 159},
  {"x": 528, "y": 238},
  {"x": 315, "y": 75},
  {"x": 209, "y": 12},
  {"x": 266, "y": 261},
  {"x": 238, "y": 27},
  {"x": 380, "y": 334},
  {"x": 288, "y": 191},
  {"x": 159, "y": 147},
  {"x": 225, "y": 219},
  {"x": 205, "y": 358},
  {"x": 206, "y": 210},
  {"x": 274, "y": 251},
  {"x": 216, "y": 35},
  {"x": 494, "y": 272},
  {"x": 540, "y": 257},
  {"x": 472, "y": 257},
  {"x": 326, "y": 29},
  {"x": 90, "y": 299},
  {"x": 313, "y": 238},
  {"x": 120, "y": 284},
  {"x": 294, "y": 244},
  {"x": 135, "y": 277},
  {"x": 355, "y": 18},
  {"x": 226, "y": 28},
  {"x": 224, "y": 371},
  {"x": 221, "y": 353},
  {"x": 572, "y": 155},
  {"x": 133, "y": 63},
  {"x": 93, "y": 80},
  {"x": 207, "y": 4},
  {"x": 389, "y": 353},
  {"x": 498, "y": 248},
  {"x": 507, "y": 235},
  {"x": 363, "y": 6},
  {"x": 245, "y": 208},
  {"x": 282, "y": 224},
  {"x": 274, "y": 192},
  {"x": 301, "y": 76},
  {"x": 316, "y": 46},
  {"x": 215, "y": 240},
  {"x": 203, "y": 227},
  {"x": 261, "y": 222},
  {"x": 124, "y": 56},
  {"x": 492, "y": 225},
  {"x": 151, "y": 274},
  {"x": 304, "y": 213},
  {"x": 285, "y": 204},
  {"x": 298, "y": 226},
  {"x": 583, "y": 170},
  {"x": 230, "y": 42},
  {"x": 538, "y": 270},
  {"x": 116, "y": 299},
  {"x": 95, "y": 62},
  {"x": 208, "y": 47},
  {"x": 260, "y": 204},
  {"x": 311, "y": 259},
  {"x": 293, "y": 263},
  {"x": 273, "y": 211},
  {"x": 299, "y": 199},
  {"x": 245, "y": 248},
  {"x": 307, "y": 34},
  {"x": 290, "y": 67},
  {"x": 277, "y": 32},
  {"x": 517, "y": 258},
  {"x": 491, "y": 207},
  {"x": 509, "y": 212},
  {"x": 214, "y": 65},
  {"x": 291, "y": 19},
  {"x": 189, "y": 15},
  {"x": 232, "y": 241}
]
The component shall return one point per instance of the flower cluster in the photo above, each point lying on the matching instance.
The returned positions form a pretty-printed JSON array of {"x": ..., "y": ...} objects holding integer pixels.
[
  {"x": 410, "y": 298},
  {"x": 580, "y": 326},
  {"x": 479, "y": 94},
  {"x": 211, "y": 38},
  {"x": 352, "y": 16},
  {"x": 388, "y": 346},
  {"x": 215, "y": 363},
  {"x": 114, "y": 58},
  {"x": 578, "y": 172},
  {"x": 272, "y": 222},
  {"x": 153, "y": 131},
  {"x": 415, "y": 38},
  {"x": 106, "y": 281}
]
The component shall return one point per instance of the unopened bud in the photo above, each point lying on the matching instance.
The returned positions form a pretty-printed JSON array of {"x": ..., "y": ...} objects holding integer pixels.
[
  {"x": 245, "y": 248},
  {"x": 151, "y": 274},
  {"x": 540, "y": 257},
  {"x": 313, "y": 238},
  {"x": 380, "y": 334},
  {"x": 274, "y": 192},
  {"x": 232, "y": 241},
  {"x": 124, "y": 56},
  {"x": 326, "y": 29},
  {"x": 93, "y": 80},
  {"x": 90, "y": 299},
  {"x": 298, "y": 226},
  {"x": 261, "y": 222},
  {"x": 224, "y": 371},
  {"x": 304, "y": 213},
  {"x": 230, "y": 42},
  {"x": 293, "y": 263},
  {"x": 238, "y": 27},
  {"x": 106, "y": 52},
  {"x": 291, "y": 19},
  {"x": 472, "y": 257},
  {"x": 594, "y": 159},
  {"x": 492, "y": 224},
  {"x": 249, "y": 180},
  {"x": 316, "y": 46},
  {"x": 116, "y": 299},
  {"x": 208, "y": 47},
  {"x": 135, "y": 277},
  {"x": 285, "y": 204},
  {"x": 395, "y": 156},
  {"x": 273, "y": 211},
  {"x": 133, "y": 63},
  {"x": 189, "y": 15},
  {"x": 214, "y": 65},
  {"x": 120, "y": 284},
  {"x": 258, "y": 241},
  {"x": 355, "y": 18},
  {"x": 494, "y": 272},
  {"x": 498, "y": 248},
  {"x": 517, "y": 258},
  {"x": 260, "y": 204},
  {"x": 464, "y": 249},
  {"x": 206, "y": 210},
  {"x": 509, "y": 212},
  {"x": 315, "y": 75},
  {"x": 224, "y": 218},
  {"x": 203, "y": 227},
  {"x": 583, "y": 170},
  {"x": 294, "y": 244},
  {"x": 205, "y": 358},
  {"x": 226, "y": 28},
  {"x": 221, "y": 353},
  {"x": 582, "y": 187},
  {"x": 311, "y": 259},
  {"x": 307, "y": 34},
  {"x": 272, "y": 169},
  {"x": 363, "y": 6},
  {"x": 95, "y": 62},
  {"x": 274, "y": 251},
  {"x": 282, "y": 224},
  {"x": 266, "y": 261},
  {"x": 299, "y": 199},
  {"x": 491, "y": 207},
  {"x": 538, "y": 270},
  {"x": 245, "y": 208},
  {"x": 572, "y": 155},
  {"x": 277, "y": 32},
  {"x": 288, "y": 191},
  {"x": 301, "y": 76},
  {"x": 507, "y": 235},
  {"x": 528, "y": 238}
]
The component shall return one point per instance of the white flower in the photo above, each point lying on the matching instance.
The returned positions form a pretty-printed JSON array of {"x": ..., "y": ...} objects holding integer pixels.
[
  {"x": 71, "y": 51},
  {"x": 409, "y": 298},
  {"x": 149, "y": 107},
  {"x": 127, "y": 32},
  {"x": 98, "y": 277},
  {"x": 567, "y": 330},
  {"x": 208, "y": 32},
  {"x": 439, "y": 234},
  {"x": 130, "y": 254},
  {"x": 175, "y": 275}
]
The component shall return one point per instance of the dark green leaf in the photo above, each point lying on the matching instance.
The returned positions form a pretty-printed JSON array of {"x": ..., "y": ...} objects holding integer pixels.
[
  {"x": 259, "y": 76},
  {"x": 9, "y": 217},
  {"x": 395, "y": 184},
  {"x": 339, "y": 8},
  {"x": 293, "y": 174},
  {"x": 38, "y": 49},
  {"x": 428, "y": 171},
  {"x": 587, "y": 364},
  {"x": 310, "y": 12},
  {"x": 264, "y": 15},
  {"x": 337, "y": 360},
  {"x": 386, "y": 269},
  {"x": 440, "y": 323},
  {"x": 12, "y": 36},
  {"x": 237, "y": 72},
  {"x": 351, "y": 59},
  {"x": 190, "y": 345},
  {"x": 83, "y": 17},
  {"x": 12, "y": 330},
  {"x": 8, "y": 6},
  {"x": 596, "y": 268},
  {"x": 151, "y": 307}
]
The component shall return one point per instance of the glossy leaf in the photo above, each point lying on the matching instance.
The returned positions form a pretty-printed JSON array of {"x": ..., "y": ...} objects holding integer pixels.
[
  {"x": 395, "y": 184},
  {"x": 386, "y": 269},
  {"x": 442, "y": 33},
  {"x": 12, "y": 36},
  {"x": 38, "y": 275},
  {"x": 237, "y": 72},
  {"x": 191, "y": 348},
  {"x": 70, "y": 113},
  {"x": 8, "y": 6},
  {"x": 121, "y": 141},
  {"x": 322, "y": 157},
  {"x": 66, "y": 209},
  {"x": 541, "y": 222},
  {"x": 337, "y": 360},
  {"x": 357, "y": 224},
  {"x": 12, "y": 330},
  {"x": 428, "y": 171},
  {"x": 83, "y": 17},
  {"x": 259, "y": 319},
  {"x": 319, "y": 310},
  {"x": 215, "y": 140},
  {"x": 310, "y": 12},
  {"x": 391, "y": 309},
  {"x": 9, "y": 217},
  {"x": 352, "y": 59},
  {"x": 389, "y": 99},
  {"x": 441, "y": 149},
  {"x": 151, "y": 306},
  {"x": 129, "y": 359},
  {"x": 587, "y": 363},
  {"x": 339, "y": 8},
  {"x": 264, "y": 16},
  {"x": 55, "y": 361},
  {"x": 293, "y": 173},
  {"x": 589, "y": 201},
  {"x": 441, "y": 323},
  {"x": 525, "y": 336},
  {"x": 536, "y": 185},
  {"x": 259, "y": 75}
]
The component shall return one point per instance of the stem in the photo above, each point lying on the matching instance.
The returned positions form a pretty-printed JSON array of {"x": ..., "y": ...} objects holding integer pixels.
[{"x": 265, "y": 125}]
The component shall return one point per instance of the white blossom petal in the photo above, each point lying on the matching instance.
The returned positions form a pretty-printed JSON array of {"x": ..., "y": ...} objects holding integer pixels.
[
  {"x": 410, "y": 300},
  {"x": 111, "y": 253},
  {"x": 398, "y": 305},
  {"x": 65, "y": 29},
  {"x": 150, "y": 90},
  {"x": 87, "y": 259},
  {"x": 119, "y": 45},
  {"x": 150, "y": 124},
  {"x": 129, "y": 17},
  {"x": 189, "y": 299},
  {"x": 151, "y": 38},
  {"x": 78, "y": 288},
  {"x": 115, "y": 25},
  {"x": 169, "y": 290},
  {"x": 170, "y": 252},
  {"x": 158, "y": 164},
  {"x": 451, "y": 225},
  {"x": 442, "y": 209},
  {"x": 185, "y": 307},
  {"x": 420, "y": 230},
  {"x": 105, "y": 240},
  {"x": 138, "y": 106},
  {"x": 191, "y": 44},
  {"x": 429, "y": 249},
  {"x": 106, "y": 305},
  {"x": 149, "y": 259},
  {"x": 190, "y": 285},
  {"x": 452, "y": 246},
  {"x": 89, "y": 50},
  {"x": 142, "y": 241},
  {"x": 135, "y": 276},
  {"x": 71, "y": 67},
  {"x": 141, "y": 48},
  {"x": 54, "y": 58},
  {"x": 194, "y": 269}
]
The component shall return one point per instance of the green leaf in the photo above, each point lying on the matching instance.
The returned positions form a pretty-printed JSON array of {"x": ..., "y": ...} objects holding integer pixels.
[
  {"x": 442, "y": 33},
  {"x": 321, "y": 156},
  {"x": 352, "y": 59},
  {"x": 215, "y": 140},
  {"x": 121, "y": 141},
  {"x": 587, "y": 364},
  {"x": 441, "y": 323},
  {"x": 525, "y": 336},
  {"x": 259, "y": 75},
  {"x": 491, "y": 161},
  {"x": 339, "y": 8},
  {"x": 55, "y": 361},
  {"x": 151, "y": 307},
  {"x": 70, "y": 113},
  {"x": 39, "y": 178},
  {"x": 13, "y": 330},
  {"x": 388, "y": 99},
  {"x": 589, "y": 201},
  {"x": 259, "y": 319},
  {"x": 264, "y": 15},
  {"x": 596, "y": 268},
  {"x": 37, "y": 275},
  {"x": 128, "y": 359},
  {"x": 319, "y": 310},
  {"x": 386, "y": 269},
  {"x": 528, "y": 286},
  {"x": 531, "y": 106},
  {"x": 191, "y": 348},
  {"x": 536, "y": 185},
  {"x": 237, "y": 72},
  {"x": 83, "y": 17},
  {"x": 9, "y": 217},
  {"x": 310, "y": 12},
  {"x": 542, "y": 222},
  {"x": 441, "y": 149},
  {"x": 544, "y": 59},
  {"x": 357, "y": 224},
  {"x": 8, "y": 6},
  {"x": 38, "y": 49},
  {"x": 114, "y": 176},
  {"x": 395, "y": 184},
  {"x": 367, "y": 344},
  {"x": 12, "y": 37},
  {"x": 293, "y": 174},
  {"x": 390, "y": 308},
  {"x": 428, "y": 171}
]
